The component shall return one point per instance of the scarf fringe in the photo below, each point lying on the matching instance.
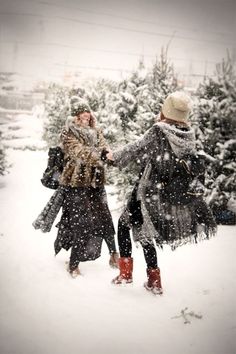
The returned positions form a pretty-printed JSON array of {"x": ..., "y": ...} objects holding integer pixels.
[
  {"x": 191, "y": 239},
  {"x": 46, "y": 218}
]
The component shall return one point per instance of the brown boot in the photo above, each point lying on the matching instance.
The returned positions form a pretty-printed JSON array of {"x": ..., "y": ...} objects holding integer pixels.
[
  {"x": 154, "y": 281},
  {"x": 74, "y": 273},
  {"x": 126, "y": 270},
  {"x": 113, "y": 261}
]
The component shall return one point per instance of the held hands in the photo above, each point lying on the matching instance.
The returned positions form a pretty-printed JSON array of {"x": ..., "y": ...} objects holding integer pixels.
[
  {"x": 106, "y": 155},
  {"x": 109, "y": 155}
]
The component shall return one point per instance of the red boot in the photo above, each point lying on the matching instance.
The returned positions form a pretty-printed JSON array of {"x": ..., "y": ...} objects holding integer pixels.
[
  {"x": 154, "y": 281},
  {"x": 126, "y": 270}
]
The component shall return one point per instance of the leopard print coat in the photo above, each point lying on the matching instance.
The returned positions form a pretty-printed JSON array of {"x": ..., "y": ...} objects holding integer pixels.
[{"x": 83, "y": 166}]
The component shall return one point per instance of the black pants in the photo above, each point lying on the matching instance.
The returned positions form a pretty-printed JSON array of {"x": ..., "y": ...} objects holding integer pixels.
[{"x": 125, "y": 245}]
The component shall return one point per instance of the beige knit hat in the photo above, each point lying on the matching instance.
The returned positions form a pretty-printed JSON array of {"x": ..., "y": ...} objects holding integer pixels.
[{"x": 177, "y": 106}]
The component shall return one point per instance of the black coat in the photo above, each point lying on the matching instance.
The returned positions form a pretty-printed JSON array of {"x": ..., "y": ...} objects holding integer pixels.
[
  {"x": 86, "y": 227},
  {"x": 85, "y": 222}
]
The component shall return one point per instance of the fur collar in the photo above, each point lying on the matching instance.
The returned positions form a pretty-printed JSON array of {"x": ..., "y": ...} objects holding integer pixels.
[{"x": 88, "y": 134}]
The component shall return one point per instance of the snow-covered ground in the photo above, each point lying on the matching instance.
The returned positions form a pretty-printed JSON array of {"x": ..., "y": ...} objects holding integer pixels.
[{"x": 44, "y": 311}]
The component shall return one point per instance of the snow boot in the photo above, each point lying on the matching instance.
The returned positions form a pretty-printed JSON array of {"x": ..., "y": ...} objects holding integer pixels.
[
  {"x": 113, "y": 261},
  {"x": 154, "y": 281},
  {"x": 126, "y": 270},
  {"x": 74, "y": 273}
]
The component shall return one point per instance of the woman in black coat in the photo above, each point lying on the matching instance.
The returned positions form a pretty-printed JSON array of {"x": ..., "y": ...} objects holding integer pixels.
[{"x": 163, "y": 206}]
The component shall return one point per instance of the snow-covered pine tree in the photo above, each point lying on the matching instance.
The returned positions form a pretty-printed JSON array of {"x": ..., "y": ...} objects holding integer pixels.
[
  {"x": 161, "y": 81},
  {"x": 100, "y": 96},
  {"x": 128, "y": 105},
  {"x": 57, "y": 106},
  {"x": 139, "y": 101},
  {"x": 57, "y": 110},
  {"x": 217, "y": 130}
]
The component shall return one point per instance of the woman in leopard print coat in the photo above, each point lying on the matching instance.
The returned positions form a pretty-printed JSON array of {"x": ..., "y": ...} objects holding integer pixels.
[{"x": 86, "y": 219}]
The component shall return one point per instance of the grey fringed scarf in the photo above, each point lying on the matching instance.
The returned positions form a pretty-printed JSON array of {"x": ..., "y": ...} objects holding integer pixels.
[{"x": 182, "y": 142}]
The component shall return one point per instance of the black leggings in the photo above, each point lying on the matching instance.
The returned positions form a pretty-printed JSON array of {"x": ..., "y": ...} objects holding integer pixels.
[{"x": 125, "y": 245}]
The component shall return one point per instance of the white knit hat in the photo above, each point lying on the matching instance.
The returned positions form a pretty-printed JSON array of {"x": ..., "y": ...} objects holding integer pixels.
[{"x": 177, "y": 106}]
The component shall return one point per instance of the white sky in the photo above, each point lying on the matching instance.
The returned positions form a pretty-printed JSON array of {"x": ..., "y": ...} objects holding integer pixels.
[{"x": 51, "y": 38}]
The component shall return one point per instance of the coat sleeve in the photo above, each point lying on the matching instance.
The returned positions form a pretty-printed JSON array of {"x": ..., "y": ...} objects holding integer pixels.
[
  {"x": 77, "y": 150},
  {"x": 138, "y": 151}
]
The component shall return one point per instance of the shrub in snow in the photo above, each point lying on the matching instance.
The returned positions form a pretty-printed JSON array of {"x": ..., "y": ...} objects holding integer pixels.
[
  {"x": 216, "y": 115},
  {"x": 56, "y": 111}
]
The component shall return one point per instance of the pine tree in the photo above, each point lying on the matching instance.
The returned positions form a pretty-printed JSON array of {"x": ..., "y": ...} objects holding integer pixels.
[
  {"x": 100, "y": 95},
  {"x": 57, "y": 106},
  {"x": 57, "y": 110},
  {"x": 128, "y": 105},
  {"x": 138, "y": 102},
  {"x": 217, "y": 131},
  {"x": 162, "y": 80}
]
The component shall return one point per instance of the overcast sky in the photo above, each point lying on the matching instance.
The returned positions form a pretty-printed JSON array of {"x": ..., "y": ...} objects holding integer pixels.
[{"x": 51, "y": 38}]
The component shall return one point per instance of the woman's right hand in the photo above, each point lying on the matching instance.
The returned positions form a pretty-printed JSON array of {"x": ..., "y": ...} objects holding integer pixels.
[{"x": 109, "y": 156}]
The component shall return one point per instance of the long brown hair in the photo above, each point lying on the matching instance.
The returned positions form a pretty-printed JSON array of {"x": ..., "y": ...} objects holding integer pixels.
[{"x": 92, "y": 121}]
